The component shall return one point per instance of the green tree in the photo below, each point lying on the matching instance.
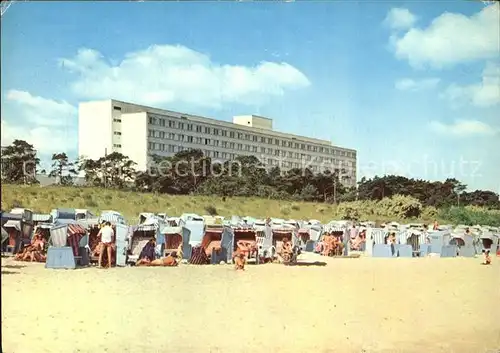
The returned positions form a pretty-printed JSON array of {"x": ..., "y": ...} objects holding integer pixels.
[
  {"x": 62, "y": 169},
  {"x": 114, "y": 170},
  {"x": 19, "y": 163}
]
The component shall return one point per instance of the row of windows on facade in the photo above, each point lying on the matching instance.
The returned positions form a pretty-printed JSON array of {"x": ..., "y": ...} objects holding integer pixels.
[
  {"x": 267, "y": 161},
  {"x": 237, "y": 135},
  {"x": 152, "y": 146},
  {"x": 226, "y": 144}
]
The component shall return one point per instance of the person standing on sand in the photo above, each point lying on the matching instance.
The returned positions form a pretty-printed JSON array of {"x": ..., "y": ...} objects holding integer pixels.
[{"x": 107, "y": 234}]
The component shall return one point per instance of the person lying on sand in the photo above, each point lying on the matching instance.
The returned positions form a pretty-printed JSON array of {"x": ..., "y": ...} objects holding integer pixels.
[{"x": 169, "y": 261}]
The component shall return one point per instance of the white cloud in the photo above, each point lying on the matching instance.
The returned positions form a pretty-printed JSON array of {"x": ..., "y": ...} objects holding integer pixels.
[
  {"x": 464, "y": 128},
  {"x": 47, "y": 124},
  {"x": 452, "y": 38},
  {"x": 399, "y": 18},
  {"x": 408, "y": 84},
  {"x": 163, "y": 74},
  {"x": 484, "y": 94},
  {"x": 42, "y": 111}
]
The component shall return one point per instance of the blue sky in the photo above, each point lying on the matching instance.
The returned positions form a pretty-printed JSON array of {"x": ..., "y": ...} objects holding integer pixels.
[{"x": 413, "y": 86}]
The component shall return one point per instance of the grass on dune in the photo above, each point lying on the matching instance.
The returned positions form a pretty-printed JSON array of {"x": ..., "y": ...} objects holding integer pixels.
[{"x": 130, "y": 204}]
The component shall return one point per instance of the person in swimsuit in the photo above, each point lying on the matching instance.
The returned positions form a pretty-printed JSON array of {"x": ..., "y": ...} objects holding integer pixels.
[
  {"x": 360, "y": 239},
  {"x": 168, "y": 261},
  {"x": 338, "y": 246},
  {"x": 34, "y": 251},
  {"x": 239, "y": 256},
  {"x": 391, "y": 240},
  {"x": 327, "y": 244},
  {"x": 244, "y": 246},
  {"x": 487, "y": 257},
  {"x": 107, "y": 235},
  {"x": 239, "y": 261}
]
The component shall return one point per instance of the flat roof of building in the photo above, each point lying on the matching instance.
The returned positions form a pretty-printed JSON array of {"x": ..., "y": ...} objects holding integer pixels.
[{"x": 227, "y": 124}]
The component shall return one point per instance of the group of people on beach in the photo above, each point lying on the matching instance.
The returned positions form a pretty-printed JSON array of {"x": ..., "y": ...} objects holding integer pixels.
[
  {"x": 331, "y": 244},
  {"x": 35, "y": 252},
  {"x": 147, "y": 257}
]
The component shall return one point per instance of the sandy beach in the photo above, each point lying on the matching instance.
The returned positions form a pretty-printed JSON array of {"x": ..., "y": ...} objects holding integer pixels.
[{"x": 349, "y": 305}]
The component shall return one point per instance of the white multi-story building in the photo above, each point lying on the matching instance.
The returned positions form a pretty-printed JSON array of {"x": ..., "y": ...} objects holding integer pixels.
[{"x": 139, "y": 132}]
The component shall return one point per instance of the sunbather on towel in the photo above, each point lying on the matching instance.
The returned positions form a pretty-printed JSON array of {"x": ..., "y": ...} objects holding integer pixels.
[
  {"x": 147, "y": 254},
  {"x": 168, "y": 261}
]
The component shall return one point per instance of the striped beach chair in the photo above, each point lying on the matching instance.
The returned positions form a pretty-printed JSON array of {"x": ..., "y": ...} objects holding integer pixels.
[
  {"x": 380, "y": 249},
  {"x": 379, "y": 235},
  {"x": 75, "y": 235},
  {"x": 199, "y": 256}
]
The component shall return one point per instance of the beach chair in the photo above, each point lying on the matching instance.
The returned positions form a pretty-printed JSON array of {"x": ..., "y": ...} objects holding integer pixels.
[
  {"x": 304, "y": 237},
  {"x": 218, "y": 243},
  {"x": 449, "y": 251},
  {"x": 279, "y": 233},
  {"x": 136, "y": 248},
  {"x": 138, "y": 236},
  {"x": 211, "y": 243},
  {"x": 121, "y": 244},
  {"x": 405, "y": 250},
  {"x": 174, "y": 238},
  {"x": 467, "y": 251},
  {"x": 249, "y": 236},
  {"x": 5, "y": 238},
  {"x": 382, "y": 250},
  {"x": 424, "y": 250},
  {"x": 265, "y": 247},
  {"x": 59, "y": 255},
  {"x": 227, "y": 246},
  {"x": 199, "y": 256}
]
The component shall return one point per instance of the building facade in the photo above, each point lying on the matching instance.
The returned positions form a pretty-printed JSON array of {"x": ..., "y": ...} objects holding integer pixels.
[{"x": 140, "y": 132}]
